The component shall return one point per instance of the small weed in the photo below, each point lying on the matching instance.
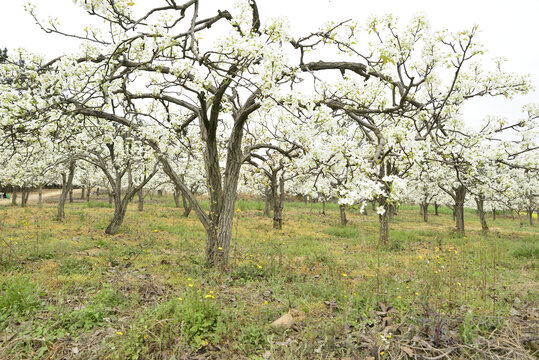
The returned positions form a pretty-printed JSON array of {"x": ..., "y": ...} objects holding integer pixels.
[
  {"x": 18, "y": 297},
  {"x": 192, "y": 322},
  {"x": 527, "y": 251},
  {"x": 73, "y": 265}
]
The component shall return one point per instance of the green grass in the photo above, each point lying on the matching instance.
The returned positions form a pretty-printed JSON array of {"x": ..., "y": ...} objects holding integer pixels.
[{"x": 119, "y": 296}]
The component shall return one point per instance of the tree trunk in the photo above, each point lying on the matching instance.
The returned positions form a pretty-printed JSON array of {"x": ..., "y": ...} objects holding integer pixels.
[
  {"x": 480, "y": 201},
  {"x": 159, "y": 192},
  {"x": 267, "y": 205},
  {"x": 40, "y": 197},
  {"x": 186, "y": 206},
  {"x": 110, "y": 198},
  {"x": 71, "y": 195},
  {"x": 342, "y": 210},
  {"x": 530, "y": 216},
  {"x": 391, "y": 213},
  {"x": 14, "y": 197},
  {"x": 493, "y": 214},
  {"x": 120, "y": 207},
  {"x": 384, "y": 222},
  {"x": 459, "y": 197},
  {"x": 512, "y": 215},
  {"x": 82, "y": 192},
  {"x": 24, "y": 196},
  {"x": 277, "y": 195},
  {"x": 425, "y": 207},
  {"x": 324, "y": 207},
  {"x": 520, "y": 219},
  {"x": 88, "y": 194},
  {"x": 436, "y": 206},
  {"x": 177, "y": 194},
  {"x": 373, "y": 205},
  {"x": 67, "y": 181},
  {"x": 141, "y": 200},
  {"x": 305, "y": 201}
]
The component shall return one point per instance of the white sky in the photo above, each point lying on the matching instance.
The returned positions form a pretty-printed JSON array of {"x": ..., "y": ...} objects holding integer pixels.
[{"x": 508, "y": 29}]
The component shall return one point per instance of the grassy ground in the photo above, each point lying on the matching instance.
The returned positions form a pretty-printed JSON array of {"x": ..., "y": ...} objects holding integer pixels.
[{"x": 70, "y": 292}]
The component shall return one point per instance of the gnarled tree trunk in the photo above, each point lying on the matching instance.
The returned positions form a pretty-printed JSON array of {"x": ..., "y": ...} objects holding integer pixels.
[
  {"x": 186, "y": 206},
  {"x": 40, "y": 197},
  {"x": 425, "y": 210},
  {"x": 480, "y": 201},
  {"x": 177, "y": 194},
  {"x": 140, "y": 199},
  {"x": 267, "y": 198},
  {"x": 25, "y": 193},
  {"x": 459, "y": 197},
  {"x": 383, "y": 219},
  {"x": 14, "y": 197},
  {"x": 342, "y": 210},
  {"x": 67, "y": 180}
]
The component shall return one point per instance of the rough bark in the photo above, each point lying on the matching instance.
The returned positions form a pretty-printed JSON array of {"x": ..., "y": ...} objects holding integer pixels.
[
  {"x": 267, "y": 198},
  {"x": 40, "y": 197},
  {"x": 342, "y": 210},
  {"x": 121, "y": 204},
  {"x": 425, "y": 210},
  {"x": 14, "y": 197},
  {"x": 177, "y": 194},
  {"x": 277, "y": 198},
  {"x": 186, "y": 206},
  {"x": 459, "y": 196},
  {"x": 480, "y": 201},
  {"x": 120, "y": 207},
  {"x": 67, "y": 181},
  {"x": 140, "y": 199},
  {"x": 25, "y": 193},
  {"x": 391, "y": 213},
  {"x": 383, "y": 219}
]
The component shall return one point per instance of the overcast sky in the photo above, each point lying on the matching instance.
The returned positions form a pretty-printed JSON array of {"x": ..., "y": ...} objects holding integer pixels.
[{"x": 509, "y": 29}]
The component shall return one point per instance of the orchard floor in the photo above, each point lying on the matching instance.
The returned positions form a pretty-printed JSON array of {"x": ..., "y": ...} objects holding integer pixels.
[{"x": 68, "y": 291}]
